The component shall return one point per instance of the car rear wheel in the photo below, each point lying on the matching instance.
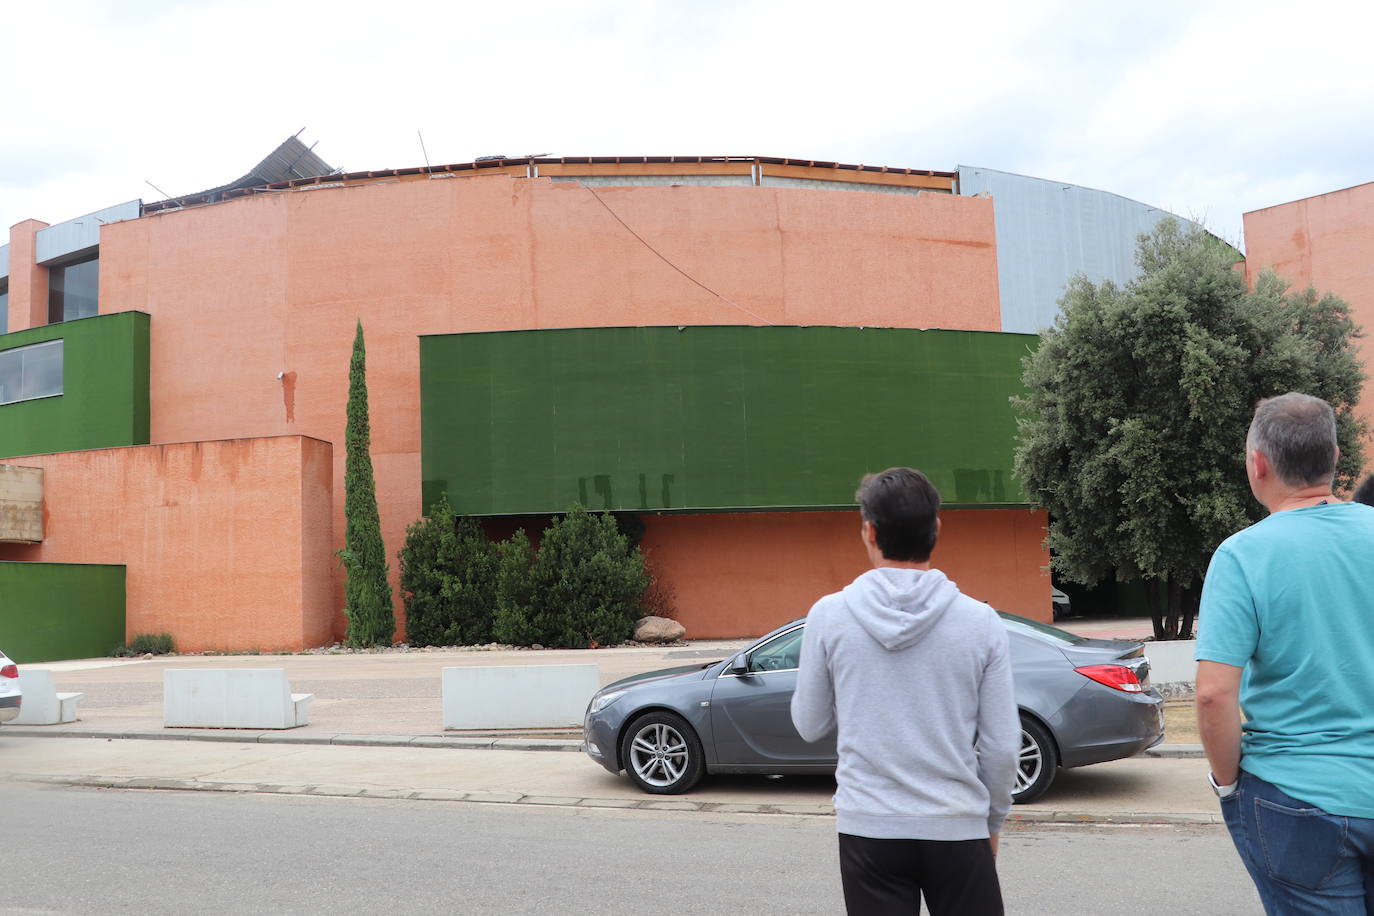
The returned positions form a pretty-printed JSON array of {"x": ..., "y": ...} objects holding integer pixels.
[
  {"x": 662, "y": 754},
  {"x": 1036, "y": 764}
]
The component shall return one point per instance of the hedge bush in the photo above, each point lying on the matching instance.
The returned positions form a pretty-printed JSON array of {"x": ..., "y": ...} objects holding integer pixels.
[
  {"x": 448, "y": 580},
  {"x": 582, "y": 589}
]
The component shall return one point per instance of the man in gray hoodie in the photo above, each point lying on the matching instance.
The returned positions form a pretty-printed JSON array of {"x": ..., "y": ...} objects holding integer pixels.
[{"x": 916, "y": 679}]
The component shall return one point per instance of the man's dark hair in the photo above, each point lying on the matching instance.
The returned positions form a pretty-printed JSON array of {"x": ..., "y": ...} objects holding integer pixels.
[
  {"x": 901, "y": 504},
  {"x": 1364, "y": 493},
  {"x": 1297, "y": 433}
]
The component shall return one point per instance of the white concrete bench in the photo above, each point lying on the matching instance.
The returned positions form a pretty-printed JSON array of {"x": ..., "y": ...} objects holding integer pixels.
[
  {"x": 42, "y": 704},
  {"x": 232, "y": 698},
  {"x": 524, "y": 696}
]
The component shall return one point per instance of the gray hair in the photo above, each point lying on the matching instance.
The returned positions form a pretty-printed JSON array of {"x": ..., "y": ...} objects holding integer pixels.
[{"x": 1297, "y": 433}]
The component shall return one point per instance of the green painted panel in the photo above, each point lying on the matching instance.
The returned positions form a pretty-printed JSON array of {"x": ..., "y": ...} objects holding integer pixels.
[
  {"x": 104, "y": 400},
  {"x": 714, "y": 418},
  {"x": 53, "y": 611}
]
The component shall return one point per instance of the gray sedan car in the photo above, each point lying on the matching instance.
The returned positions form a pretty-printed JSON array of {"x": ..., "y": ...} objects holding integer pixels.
[
  {"x": 10, "y": 694},
  {"x": 1082, "y": 701}
]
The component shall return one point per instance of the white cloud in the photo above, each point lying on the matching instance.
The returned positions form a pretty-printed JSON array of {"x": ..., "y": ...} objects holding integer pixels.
[{"x": 1210, "y": 108}]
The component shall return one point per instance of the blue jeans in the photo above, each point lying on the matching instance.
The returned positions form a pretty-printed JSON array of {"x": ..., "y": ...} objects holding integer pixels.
[{"x": 1301, "y": 859}]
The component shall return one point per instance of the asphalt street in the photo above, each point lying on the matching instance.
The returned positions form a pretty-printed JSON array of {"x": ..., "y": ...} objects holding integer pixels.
[{"x": 89, "y": 851}]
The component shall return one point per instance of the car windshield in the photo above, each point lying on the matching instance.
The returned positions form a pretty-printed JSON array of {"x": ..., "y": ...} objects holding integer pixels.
[{"x": 1043, "y": 630}]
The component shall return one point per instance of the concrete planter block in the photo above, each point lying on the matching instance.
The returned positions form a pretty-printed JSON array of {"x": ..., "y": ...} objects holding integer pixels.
[
  {"x": 43, "y": 705},
  {"x": 256, "y": 698},
  {"x": 1171, "y": 662},
  {"x": 533, "y": 696}
]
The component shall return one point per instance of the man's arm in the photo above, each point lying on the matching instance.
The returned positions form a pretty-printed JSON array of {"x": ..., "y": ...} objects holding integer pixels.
[
  {"x": 813, "y": 702},
  {"x": 999, "y": 730},
  {"x": 1218, "y": 718}
]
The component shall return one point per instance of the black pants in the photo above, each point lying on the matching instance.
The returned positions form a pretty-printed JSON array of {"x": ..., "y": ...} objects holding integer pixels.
[{"x": 882, "y": 877}]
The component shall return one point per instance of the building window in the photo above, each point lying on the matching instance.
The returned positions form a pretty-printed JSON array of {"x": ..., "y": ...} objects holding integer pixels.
[
  {"x": 31, "y": 372},
  {"x": 72, "y": 290},
  {"x": 4, "y": 304}
]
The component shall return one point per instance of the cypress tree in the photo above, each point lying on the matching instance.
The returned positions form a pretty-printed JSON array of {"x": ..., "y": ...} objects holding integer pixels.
[{"x": 367, "y": 594}]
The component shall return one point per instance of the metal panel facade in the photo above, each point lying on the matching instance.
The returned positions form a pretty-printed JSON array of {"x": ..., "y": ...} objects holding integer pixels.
[
  {"x": 1047, "y": 231},
  {"x": 80, "y": 234},
  {"x": 713, "y": 418}
]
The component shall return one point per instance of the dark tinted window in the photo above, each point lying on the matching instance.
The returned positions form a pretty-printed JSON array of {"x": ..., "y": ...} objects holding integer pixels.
[
  {"x": 4, "y": 305},
  {"x": 780, "y": 654},
  {"x": 31, "y": 372},
  {"x": 72, "y": 291}
]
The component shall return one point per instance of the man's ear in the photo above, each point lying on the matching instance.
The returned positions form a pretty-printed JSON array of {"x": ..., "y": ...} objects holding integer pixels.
[
  {"x": 868, "y": 533},
  {"x": 1260, "y": 462}
]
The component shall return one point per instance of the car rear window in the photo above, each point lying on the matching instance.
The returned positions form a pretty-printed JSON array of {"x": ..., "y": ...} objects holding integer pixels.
[{"x": 1041, "y": 630}]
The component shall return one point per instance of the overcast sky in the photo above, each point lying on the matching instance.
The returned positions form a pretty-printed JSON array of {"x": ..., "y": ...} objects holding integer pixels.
[{"x": 1208, "y": 109}]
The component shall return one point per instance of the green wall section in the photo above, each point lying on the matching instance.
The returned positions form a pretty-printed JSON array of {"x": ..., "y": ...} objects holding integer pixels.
[
  {"x": 104, "y": 400},
  {"x": 52, "y": 611},
  {"x": 714, "y": 418}
]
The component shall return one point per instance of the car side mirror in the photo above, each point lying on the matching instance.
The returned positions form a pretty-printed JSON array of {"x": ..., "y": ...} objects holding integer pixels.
[{"x": 740, "y": 664}]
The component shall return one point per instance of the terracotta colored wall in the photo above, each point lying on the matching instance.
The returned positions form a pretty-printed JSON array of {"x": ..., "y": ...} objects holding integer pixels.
[
  {"x": 743, "y": 574},
  {"x": 224, "y": 541},
  {"x": 28, "y": 281},
  {"x": 243, "y": 290},
  {"x": 1328, "y": 242}
]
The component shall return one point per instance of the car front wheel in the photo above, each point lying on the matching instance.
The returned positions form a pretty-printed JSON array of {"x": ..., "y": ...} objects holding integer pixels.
[
  {"x": 662, "y": 754},
  {"x": 1036, "y": 764}
]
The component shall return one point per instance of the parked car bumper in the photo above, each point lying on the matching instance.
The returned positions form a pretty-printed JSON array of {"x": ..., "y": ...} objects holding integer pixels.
[
  {"x": 9, "y": 708},
  {"x": 1142, "y": 727}
]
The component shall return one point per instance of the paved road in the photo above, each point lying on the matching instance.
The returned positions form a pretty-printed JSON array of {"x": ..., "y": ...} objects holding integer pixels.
[
  {"x": 76, "y": 851},
  {"x": 1135, "y": 789}
]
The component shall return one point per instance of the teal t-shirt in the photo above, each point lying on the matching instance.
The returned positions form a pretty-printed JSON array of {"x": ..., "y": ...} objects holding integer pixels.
[{"x": 1291, "y": 600}]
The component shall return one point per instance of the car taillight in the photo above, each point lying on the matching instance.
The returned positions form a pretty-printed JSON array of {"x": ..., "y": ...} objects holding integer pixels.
[
  {"x": 1117, "y": 677},
  {"x": 9, "y": 671}
]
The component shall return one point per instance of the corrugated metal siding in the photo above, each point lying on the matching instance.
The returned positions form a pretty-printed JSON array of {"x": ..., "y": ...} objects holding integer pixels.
[
  {"x": 80, "y": 234},
  {"x": 1047, "y": 231}
]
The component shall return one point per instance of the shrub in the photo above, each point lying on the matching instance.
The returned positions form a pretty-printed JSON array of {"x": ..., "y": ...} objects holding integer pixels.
[
  {"x": 146, "y": 644},
  {"x": 448, "y": 580},
  {"x": 583, "y": 588},
  {"x": 514, "y": 557}
]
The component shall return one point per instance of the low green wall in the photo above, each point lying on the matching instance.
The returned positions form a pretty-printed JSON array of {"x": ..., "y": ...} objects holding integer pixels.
[
  {"x": 53, "y": 611},
  {"x": 104, "y": 399},
  {"x": 714, "y": 418}
]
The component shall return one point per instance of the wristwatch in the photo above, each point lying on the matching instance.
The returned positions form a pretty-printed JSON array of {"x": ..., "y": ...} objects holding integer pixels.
[{"x": 1222, "y": 791}]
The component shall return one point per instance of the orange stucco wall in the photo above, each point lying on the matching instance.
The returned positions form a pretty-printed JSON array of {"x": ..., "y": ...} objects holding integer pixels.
[
  {"x": 28, "y": 281},
  {"x": 743, "y": 574},
  {"x": 227, "y": 543},
  {"x": 1327, "y": 242},
  {"x": 242, "y": 291}
]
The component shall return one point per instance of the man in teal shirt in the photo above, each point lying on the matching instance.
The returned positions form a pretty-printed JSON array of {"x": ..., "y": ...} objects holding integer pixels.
[{"x": 1286, "y": 632}]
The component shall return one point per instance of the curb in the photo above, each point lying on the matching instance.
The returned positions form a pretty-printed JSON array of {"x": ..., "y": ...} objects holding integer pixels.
[
  {"x": 1175, "y": 751},
  {"x": 252, "y": 736},
  {"x": 517, "y": 798},
  {"x": 465, "y": 742}
]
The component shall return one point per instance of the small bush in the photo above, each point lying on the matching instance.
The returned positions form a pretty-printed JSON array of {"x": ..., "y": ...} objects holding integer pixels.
[
  {"x": 448, "y": 580},
  {"x": 146, "y": 644},
  {"x": 513, "y": 588},
  {"x": 582, "y": 590}
]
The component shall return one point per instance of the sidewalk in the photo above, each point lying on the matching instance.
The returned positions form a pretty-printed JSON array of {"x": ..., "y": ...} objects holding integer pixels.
[{"x": 376, "y": 725}]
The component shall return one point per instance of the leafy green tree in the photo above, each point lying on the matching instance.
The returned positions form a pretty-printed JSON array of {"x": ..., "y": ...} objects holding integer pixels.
[
  {"x": 582, "y": 589},
  {"x": 448, "y": 580},
  {"x": 367, "y": 594},
  {"x": 1132, "y": 432}
]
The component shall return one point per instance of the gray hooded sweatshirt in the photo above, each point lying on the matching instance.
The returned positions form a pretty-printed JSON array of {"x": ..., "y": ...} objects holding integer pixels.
[{"x": 917, "y": 679}]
